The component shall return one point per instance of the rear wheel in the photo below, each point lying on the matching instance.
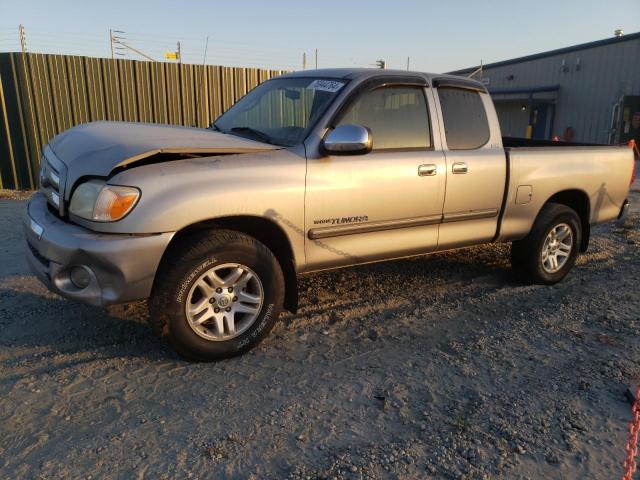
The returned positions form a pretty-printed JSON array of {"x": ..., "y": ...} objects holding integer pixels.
[
  {"x": 218, "y": 295},
  {"x": 550, "y": 250}
]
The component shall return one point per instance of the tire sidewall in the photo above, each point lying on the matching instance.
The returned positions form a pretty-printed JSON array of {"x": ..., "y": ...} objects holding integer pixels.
[
  {"x": 573, "y": 221},
  {"x": 180, "y": 333}
]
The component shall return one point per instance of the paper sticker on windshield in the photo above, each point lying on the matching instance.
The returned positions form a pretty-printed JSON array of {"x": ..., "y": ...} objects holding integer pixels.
[{"x": 325, "y": 85}]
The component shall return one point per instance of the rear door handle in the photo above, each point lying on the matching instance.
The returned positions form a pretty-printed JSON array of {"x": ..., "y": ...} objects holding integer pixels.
[
  {"x": 427, "y": 170},
  {"x": 459, "y": 167}
]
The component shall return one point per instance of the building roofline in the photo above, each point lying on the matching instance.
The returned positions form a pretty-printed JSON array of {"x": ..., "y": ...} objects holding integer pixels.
[
  {"x": 509, "y": 91},
  {"x": 551, "y": 53}
]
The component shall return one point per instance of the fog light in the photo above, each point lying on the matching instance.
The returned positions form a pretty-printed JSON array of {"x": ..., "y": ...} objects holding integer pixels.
[{"x": 80, "y": 277}]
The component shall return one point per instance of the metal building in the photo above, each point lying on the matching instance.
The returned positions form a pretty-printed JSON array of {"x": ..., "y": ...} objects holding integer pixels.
[{"x": 584, "y": 93}]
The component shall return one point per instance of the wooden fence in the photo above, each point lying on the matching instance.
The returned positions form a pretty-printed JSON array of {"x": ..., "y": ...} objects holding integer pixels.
[{"x": 42, "y": 95}]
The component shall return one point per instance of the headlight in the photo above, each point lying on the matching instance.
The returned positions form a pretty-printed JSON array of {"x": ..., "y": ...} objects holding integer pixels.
[{"x": 95, "y": 200}]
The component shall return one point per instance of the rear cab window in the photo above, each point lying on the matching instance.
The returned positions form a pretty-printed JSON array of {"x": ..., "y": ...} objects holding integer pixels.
[{"x": 465, "y": 120}]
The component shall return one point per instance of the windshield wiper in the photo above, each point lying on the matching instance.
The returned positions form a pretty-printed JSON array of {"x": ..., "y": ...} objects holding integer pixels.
[{"x": 256, "y": 133}]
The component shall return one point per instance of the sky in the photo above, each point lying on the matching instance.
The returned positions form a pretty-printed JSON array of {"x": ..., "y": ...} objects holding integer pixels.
[{"x": 436, "y": 36}]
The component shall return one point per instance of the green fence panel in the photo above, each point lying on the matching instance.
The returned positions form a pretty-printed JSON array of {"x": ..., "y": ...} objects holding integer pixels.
[{"x": 42, "y": 95}]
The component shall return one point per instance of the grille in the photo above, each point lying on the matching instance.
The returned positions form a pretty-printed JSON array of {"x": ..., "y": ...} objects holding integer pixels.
[{"x": 52, "y": 176}]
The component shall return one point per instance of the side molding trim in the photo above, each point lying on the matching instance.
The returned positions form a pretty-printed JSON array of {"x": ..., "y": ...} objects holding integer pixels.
[
  {"x": 472, "y": 215},
  {"x": 339, "y": 230}
]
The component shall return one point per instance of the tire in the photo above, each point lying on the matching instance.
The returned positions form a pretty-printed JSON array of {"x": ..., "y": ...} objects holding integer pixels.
[
  {"x": 185, "y": 284},
  {"x": 527, "y": 256}
]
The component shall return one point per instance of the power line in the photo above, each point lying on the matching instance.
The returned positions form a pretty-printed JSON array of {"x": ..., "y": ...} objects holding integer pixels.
[
  {"x": 234, "y": 46},
  {"x": 42, "y": 40},
  {"x": 154, "y": 45},
  {"x": 123, "y": 44}
]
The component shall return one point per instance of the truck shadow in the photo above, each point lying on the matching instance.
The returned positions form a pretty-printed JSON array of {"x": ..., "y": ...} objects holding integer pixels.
[
  {"x": 52, "y": 325},
  {"x": 438, "y": 277}
]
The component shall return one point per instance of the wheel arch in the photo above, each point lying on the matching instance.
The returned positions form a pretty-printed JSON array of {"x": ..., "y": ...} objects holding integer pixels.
[
  {"x": 262, "y": 229},
  {"x": 578, "y": 201}
]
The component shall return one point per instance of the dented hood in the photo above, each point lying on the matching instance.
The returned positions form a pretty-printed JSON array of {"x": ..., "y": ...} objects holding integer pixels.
[{"x": 96, "y": 149}]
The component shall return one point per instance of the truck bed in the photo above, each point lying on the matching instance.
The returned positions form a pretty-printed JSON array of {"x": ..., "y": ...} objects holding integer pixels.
[
  {"x": 594, "y": 176},
  {"x": 514, "y": 142}
]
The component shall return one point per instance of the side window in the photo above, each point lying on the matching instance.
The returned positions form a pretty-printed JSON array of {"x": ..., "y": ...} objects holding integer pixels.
[
  {"x": 465, "y": 120},
  {"x": 397, "y": 117}
]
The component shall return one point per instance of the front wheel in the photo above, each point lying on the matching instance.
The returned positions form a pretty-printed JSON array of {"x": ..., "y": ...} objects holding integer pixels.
[
  {"x": 550, "y": 250},
  {"x": 218, "y": 295}
]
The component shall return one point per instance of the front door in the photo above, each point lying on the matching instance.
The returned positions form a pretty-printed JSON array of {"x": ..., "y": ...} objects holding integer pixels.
[{"x": 384, "y": 204}]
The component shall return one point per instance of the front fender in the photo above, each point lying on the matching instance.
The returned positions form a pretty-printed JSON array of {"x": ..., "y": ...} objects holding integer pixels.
[{"x": 184, "y": 192}]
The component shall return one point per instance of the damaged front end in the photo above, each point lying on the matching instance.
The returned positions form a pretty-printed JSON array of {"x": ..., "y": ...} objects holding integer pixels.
[{"x": 104, "y": 149}]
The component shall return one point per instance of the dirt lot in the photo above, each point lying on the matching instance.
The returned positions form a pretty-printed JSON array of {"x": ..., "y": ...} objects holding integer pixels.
[{"x": 435, "y": 367}]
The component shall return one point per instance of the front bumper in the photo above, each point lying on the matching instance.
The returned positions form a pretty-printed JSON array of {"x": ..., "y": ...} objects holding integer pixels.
[{"x": 121, "y": 267}]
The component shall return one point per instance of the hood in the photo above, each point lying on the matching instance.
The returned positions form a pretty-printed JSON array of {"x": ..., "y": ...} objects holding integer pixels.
[{"x": 96, "y": 149}]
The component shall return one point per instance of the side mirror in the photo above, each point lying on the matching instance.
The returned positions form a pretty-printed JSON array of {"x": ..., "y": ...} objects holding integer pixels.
[{"x": 348, "y": 140}]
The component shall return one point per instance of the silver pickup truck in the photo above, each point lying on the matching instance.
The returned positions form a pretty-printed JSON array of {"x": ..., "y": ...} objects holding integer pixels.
[{"x": 309, "y": 171}]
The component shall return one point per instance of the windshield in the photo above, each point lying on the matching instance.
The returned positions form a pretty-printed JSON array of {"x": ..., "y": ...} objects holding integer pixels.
[{"x": 280, "y": 111}]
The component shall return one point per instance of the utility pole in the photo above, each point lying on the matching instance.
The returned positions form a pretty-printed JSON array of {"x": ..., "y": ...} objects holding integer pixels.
[
  {"x": 111, "y": 42},
  {"x": 23, "y": 38},
  {"x": 206, "y": 46},
  {"x": 381, "y": 64},
  {"x": 28, "y": 76},
  {"x": 120, "y": 46},
  {"x": 304, "y": 60},
  {"x": 408, "y": 59},
  {"x": 179, "y": 52},
  {"x": 202, "y": 90},
  {"x": 316, "y": 58},
  {"x": 116, "y": 43}
]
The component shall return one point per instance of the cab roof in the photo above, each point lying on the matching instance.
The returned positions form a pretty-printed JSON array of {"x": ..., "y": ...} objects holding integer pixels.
[{"x": 371, "y": 73}]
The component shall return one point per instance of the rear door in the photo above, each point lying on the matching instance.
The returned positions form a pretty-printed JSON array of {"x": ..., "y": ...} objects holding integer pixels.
[
  {"x": 475, "y": 166},
  {"x": 384, "y": 204}
]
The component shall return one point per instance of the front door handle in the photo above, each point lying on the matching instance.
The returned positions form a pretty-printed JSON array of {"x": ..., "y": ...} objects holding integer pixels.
[
  {"x": 427, "y": 170},
  {"x": 459, "y": 167}
]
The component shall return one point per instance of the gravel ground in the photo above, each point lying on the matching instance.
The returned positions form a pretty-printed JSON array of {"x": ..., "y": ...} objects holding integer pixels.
[
  {"x": 435, "y": 367},
  {"x": 15, "y": 194}
]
